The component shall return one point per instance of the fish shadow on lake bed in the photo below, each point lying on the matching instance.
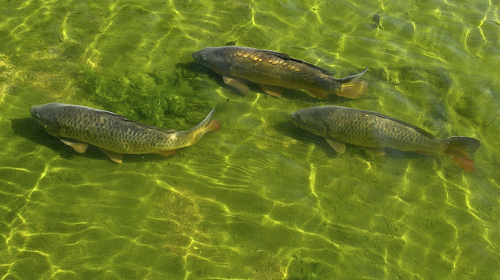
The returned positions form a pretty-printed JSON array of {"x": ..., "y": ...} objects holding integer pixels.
[{"x": 31, "y": 130}]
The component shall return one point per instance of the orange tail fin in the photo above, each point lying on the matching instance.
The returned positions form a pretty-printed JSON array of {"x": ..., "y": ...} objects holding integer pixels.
[
  {"x": 353, "y": 89},
  {"x": 214, "y": 125},
  {"x": 459, "y": 150}
]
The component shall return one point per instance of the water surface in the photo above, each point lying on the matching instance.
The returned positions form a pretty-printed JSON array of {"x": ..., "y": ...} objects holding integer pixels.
[{"x": 260, "y": 198}]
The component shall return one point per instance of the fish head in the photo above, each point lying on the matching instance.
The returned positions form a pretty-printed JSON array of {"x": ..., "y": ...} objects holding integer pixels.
[
  {"x": 46, "y": 115},
  {"x": 214, "y": 58},
  {"x": 310, "y": 120}
]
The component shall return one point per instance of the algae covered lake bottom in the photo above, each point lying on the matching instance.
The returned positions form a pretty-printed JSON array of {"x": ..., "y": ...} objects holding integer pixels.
[{"x": 259, "y": 198}]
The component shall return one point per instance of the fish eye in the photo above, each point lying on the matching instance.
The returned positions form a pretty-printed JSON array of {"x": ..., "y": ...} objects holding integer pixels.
[{"x": 299, "y": 119}]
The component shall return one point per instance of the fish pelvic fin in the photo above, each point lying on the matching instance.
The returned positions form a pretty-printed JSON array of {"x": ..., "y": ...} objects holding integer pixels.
[
  {"x": 375, "y": 152},
  {"x": 271, "y": 90},
  {"x": 115, "y": 157},
  {"x": 460, "y": 148},
  {"x": 338, "y": 146},
  {"x": 77, "y": 146},
  {"x": 237, "y": 84}
]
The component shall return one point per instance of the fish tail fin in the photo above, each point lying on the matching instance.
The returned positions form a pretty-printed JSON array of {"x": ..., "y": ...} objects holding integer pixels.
[
  {"x": 352, "y": 87},
  {"x": 203, "y": 127},
  {"x": 213, "y": 125},
  {"x": 353, "y": 90},
  {"x": 207, "y": 124},
  {"x": 459, "y": 149}
]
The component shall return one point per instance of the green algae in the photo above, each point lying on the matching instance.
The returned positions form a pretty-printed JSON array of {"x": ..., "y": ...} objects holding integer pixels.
[{"x": 258, "y": 199}]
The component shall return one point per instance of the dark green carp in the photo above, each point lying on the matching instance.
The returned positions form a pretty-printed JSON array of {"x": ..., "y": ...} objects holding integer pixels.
[
  {"x": 79, "y": 127},
  {"x": 339, "y": 125},
  {"x": 274, "y": 71}
]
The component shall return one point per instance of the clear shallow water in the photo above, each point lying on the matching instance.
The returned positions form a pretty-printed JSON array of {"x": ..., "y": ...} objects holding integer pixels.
[{"x": 258, "y": 199}]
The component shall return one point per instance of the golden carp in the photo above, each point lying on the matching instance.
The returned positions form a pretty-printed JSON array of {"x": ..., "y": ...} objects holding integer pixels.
[
  {"x": 79, "y": 127},
  {"x": 274, "y": 71},
  {"x": 339, "y": 125}
]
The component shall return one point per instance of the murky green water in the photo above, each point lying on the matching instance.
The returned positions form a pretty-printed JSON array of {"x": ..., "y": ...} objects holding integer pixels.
[{"x": 260, "y": 198}]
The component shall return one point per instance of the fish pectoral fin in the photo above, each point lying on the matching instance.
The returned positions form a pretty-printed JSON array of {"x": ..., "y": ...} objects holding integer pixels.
[
  {"x": 237, "y": 84},
  {"x": 339, "y": 147},
  {"x": 116, "y": 157},
  {"x": 165, "y": 153},
  {"x": 375, "y": 152},
  {"x": 77, "y": 146},
  {"x": 272, "y": 90}
]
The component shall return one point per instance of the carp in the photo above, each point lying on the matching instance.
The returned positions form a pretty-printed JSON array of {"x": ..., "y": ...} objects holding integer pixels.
[
  {"x": 80, "y": 126},
  {"x": 374, "y": 131},
  {"x": 273, "y": 71}
]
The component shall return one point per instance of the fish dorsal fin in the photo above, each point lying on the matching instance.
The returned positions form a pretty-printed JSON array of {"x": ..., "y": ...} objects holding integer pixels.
[
  {"x": 287, "y": 57},
  {"x": 167, "y": 130},
  {"x": 160, "y": 129},
  {"x": 102, "y": 112},
  {"x": 278, "y": 54},
  {"x": 122, "y": 118},
  {"x": 111, "y": 113},
  {"x": 420, "y": 130}
]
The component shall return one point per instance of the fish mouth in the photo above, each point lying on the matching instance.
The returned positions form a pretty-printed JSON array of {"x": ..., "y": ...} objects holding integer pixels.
[
  {"x": 296, "y": 118},
  {"x": 34, "y": 113},
  {"x": 298, "y": 121},
  {"x": 198, "y": 56},
  {"x": 202, "y": 57}
]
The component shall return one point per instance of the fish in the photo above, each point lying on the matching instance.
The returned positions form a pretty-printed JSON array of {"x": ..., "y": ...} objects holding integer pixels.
[
  {"x": 79, "y": 126},
  {"x": 375, "y": 131},
  {"x": 273, "y": 71}
]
